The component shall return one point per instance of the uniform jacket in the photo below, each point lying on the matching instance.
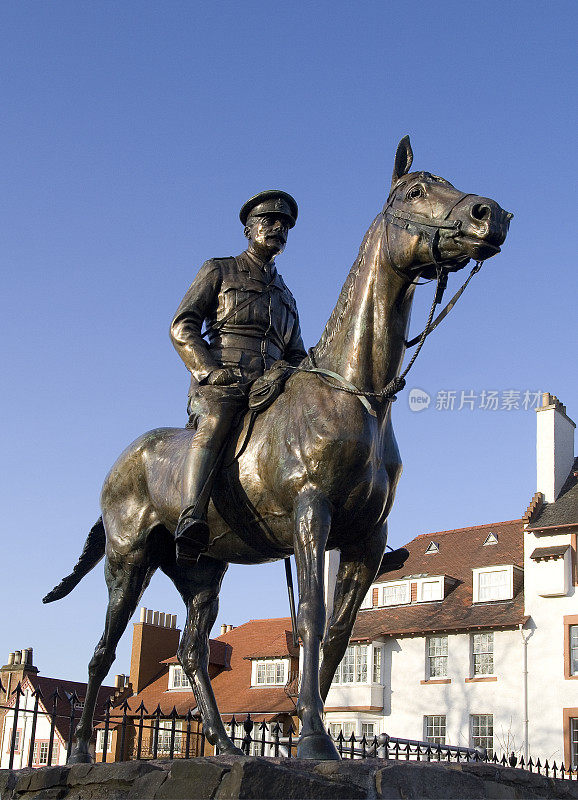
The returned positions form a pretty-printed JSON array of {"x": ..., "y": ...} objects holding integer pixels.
[{"x": 264, "y": 330}]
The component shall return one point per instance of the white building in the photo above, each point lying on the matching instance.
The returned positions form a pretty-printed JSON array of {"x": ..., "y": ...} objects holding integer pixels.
[
  {"x": 475, "y": 641},
  {"x": 19, "y": 678}
]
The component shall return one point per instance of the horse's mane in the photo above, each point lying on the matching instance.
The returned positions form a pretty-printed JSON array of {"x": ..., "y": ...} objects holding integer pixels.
[{"x": 338, "y": 314}]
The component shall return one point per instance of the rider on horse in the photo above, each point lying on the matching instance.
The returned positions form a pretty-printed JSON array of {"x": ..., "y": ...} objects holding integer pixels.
[{"x": 251, "y": 322}]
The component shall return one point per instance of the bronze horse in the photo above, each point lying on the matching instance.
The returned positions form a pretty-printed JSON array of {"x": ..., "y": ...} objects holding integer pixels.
[{"x": 318, "y": 472}]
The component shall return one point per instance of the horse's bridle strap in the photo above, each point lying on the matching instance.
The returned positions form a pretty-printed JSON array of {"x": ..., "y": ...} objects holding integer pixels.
[{"x": 423, "y": 222}]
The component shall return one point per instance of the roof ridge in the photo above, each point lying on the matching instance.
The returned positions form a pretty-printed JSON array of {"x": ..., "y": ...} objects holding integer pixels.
[{"x": 467, "y": 528}]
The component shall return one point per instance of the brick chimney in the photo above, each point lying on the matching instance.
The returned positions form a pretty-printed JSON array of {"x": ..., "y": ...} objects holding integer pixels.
[
  {"x": 20, "y": 662},
  {"x": 154, "y": 638},
  {"x": 554, "y": 447}
]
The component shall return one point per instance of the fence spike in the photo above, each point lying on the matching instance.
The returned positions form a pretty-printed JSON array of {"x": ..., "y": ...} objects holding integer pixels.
[
  {"x": 290, "y": 733},
  {"x": 36, "y": 694},
  {"x": 538, "y": 767},
  {"x": 546, "y": 768}
]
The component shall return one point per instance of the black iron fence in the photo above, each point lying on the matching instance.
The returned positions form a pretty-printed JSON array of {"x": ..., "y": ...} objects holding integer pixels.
[{"x": 124, "y": 734}]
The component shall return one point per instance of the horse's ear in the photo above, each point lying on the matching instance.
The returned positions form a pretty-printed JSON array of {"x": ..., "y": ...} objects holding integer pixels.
[{"x": 403, "y": 159}]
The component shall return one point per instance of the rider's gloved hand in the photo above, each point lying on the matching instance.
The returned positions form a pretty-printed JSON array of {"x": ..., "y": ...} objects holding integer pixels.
[{"x": 222, "y": 377}]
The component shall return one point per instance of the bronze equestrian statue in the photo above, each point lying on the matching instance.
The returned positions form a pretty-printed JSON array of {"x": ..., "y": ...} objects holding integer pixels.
[
  {"x": 252, "y": 325},
  {"x": 316, "y": 470}
]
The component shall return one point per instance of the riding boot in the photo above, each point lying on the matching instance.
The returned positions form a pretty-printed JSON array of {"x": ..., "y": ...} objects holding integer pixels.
[{"x": 192, "y": 531}]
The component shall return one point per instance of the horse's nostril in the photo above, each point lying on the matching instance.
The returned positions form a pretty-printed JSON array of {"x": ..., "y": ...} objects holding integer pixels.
[{"x": 481, "y": 212}]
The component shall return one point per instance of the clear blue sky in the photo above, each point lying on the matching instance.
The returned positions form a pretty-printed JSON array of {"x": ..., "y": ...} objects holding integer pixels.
[{"x": 133, "y": 131}]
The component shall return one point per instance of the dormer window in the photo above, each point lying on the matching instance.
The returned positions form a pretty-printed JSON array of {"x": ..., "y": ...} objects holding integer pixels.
[
  {"x": 178, "y": 679},
  {"x": 491, "y": 538},
  {"x": 433, "y": 547},
  {"x": 270, "y": 672},
  {"x": 495, "y": 583},
  {"x": 395, "y": 594}
]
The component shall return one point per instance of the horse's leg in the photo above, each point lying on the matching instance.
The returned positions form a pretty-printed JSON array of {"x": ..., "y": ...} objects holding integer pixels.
[
  {"x": 312, "y": 524},
  {"x": 126, "y": 581},
  {"x": 199, "y": 586},
  {"x": 357, "y": 570}
]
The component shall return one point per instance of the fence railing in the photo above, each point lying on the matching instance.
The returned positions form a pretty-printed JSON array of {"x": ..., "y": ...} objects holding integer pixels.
[{"x": 124, "y": 734}]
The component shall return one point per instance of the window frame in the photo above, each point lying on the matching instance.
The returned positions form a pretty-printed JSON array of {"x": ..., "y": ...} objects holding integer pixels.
[
  {"x": 353, "y": 666},
  {"x": 473, "y": 654},
  {"x": 184, "y": 683},
  {"x": 432, "y": 738},
  {"x": 394, "y": 585},
  {"x": 274, "y": 664},
  {"x": 473, "y": 737},
  {"x": 570, "y": 622},
  {"x": 477, "y": 573},
  {"x": 429, "y": 657}
]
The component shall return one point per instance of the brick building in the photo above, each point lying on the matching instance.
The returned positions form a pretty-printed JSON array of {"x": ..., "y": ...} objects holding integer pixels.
[{"x": 253, "y": 668}]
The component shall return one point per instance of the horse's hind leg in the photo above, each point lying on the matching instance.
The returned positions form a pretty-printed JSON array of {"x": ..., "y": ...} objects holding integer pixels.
[
  {"x": 126, "y": 581},
  {"x": 199, "y": 587}
]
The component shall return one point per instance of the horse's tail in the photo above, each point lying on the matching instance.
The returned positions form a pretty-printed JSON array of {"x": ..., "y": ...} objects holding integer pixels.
[{"x": 91, "y": 554}]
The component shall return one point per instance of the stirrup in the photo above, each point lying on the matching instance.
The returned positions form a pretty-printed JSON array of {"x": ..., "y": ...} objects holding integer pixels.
[{"x": 191, "y": 539}]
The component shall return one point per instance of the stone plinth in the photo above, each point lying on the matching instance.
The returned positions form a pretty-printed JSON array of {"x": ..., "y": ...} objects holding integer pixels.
[{"x": 228, "y": 778}]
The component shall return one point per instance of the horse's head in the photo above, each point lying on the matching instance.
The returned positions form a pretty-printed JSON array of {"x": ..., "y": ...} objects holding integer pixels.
[{"x": 429, "y": 223}]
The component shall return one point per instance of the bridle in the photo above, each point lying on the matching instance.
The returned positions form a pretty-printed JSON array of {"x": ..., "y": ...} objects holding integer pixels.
[{"x": 431, "y": 229}]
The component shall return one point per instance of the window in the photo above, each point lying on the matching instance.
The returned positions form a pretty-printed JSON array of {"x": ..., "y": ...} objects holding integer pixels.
[
  {"x": 353, "y": 667},
  {"x": 437, "y": 656},
  {"x": 483, "y": 732},
  {"x": 16, "y": 741},
  {"x": 270, "y": 673},
  {"x": 435, "y": 729},
  {"x": 483, "y": 654},
  {"x": 368, "y": 730},
  {"x": 178, "y": 679},
  {"x": 495, "y": 583},
  {"x": 41, "y": 753},
  {"x": 377, "y": 664},
  {"x": 573, "y": 631},
  {"x": 431, "y": 590},
  {"x": 571, "y": 647},
  {"x": 164, "y": 740},
  {"x": 574, "y": 742},
  {"x": 100, "y": 741},
  {"x": 394, "y": 594},
  {"x": 347, "y": 728},
  {"x": 368, "y": 600}
]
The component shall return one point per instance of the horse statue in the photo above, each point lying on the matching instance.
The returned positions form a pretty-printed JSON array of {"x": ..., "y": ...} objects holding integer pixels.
[{"x": 316, "y": 471}]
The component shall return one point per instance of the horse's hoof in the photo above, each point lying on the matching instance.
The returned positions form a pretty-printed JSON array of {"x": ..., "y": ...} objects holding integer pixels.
[
  {"x": 80, "y": 756},
  {"x": 318, "y": 746},
  {"x": 233, "y": 750}
]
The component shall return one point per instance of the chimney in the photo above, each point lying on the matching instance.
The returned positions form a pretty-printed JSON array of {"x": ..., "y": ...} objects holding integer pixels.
[
  {"x": 151, "y": 644},
  {"x": 223, "y": 629},
  {"x": 554, "y": 446}
]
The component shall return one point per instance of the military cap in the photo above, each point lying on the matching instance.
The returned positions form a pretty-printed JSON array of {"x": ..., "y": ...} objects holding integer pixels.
[{"x": 273, "y": 201}]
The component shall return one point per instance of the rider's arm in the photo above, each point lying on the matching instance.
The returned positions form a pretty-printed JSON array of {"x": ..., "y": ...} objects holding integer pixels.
[
  {"x": 198, "y": 304},
  {"x": 295, "y": 351}
]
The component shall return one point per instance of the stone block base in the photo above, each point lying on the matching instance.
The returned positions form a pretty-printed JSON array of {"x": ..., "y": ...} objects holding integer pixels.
[{"x": 231, "y": 777}]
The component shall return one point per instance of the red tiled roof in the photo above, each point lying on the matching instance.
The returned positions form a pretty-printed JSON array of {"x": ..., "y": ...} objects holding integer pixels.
[
  {"x": 232, "y": 685},
  {"x": 233, "y": 689},
  {"x": 460, "y": 550},
  {"x": 217, "y": 654},
  {"x": 48, "y": 686}
]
